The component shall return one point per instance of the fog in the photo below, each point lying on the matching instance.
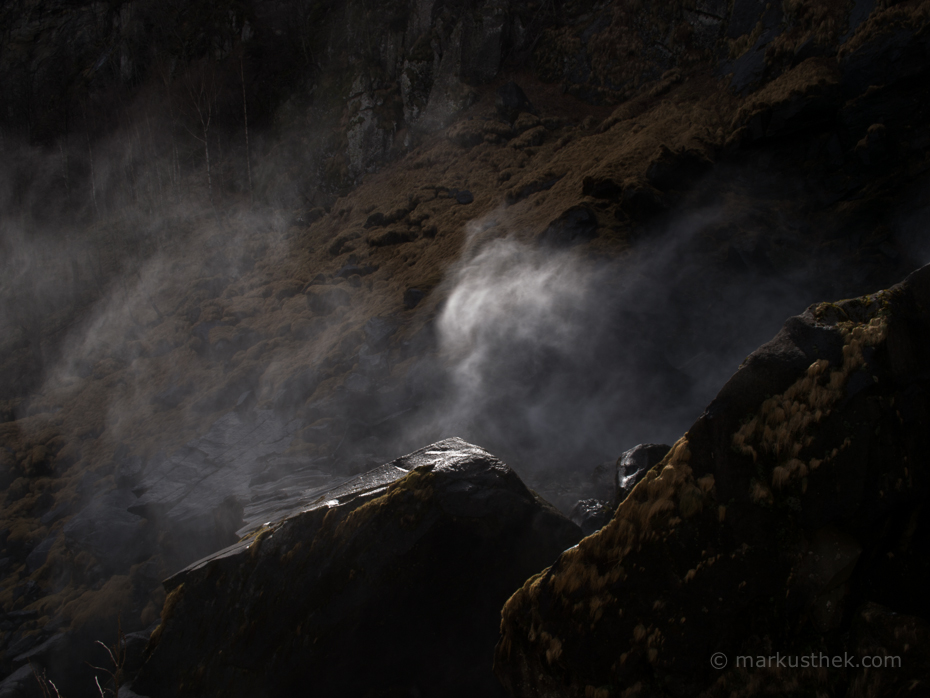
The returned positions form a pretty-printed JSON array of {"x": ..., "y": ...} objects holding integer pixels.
[
  {"x": 158, "y": 319},
  {"x": 559, "y": 360},
  {"x": 555, "y": 358}
]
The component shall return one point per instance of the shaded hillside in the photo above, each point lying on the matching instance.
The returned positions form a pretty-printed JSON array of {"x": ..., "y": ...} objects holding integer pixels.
[{"x": 551, "y": 230}]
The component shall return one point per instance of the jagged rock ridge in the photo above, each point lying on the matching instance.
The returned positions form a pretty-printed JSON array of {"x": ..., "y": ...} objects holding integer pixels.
[{"x": 791, "y": 518}]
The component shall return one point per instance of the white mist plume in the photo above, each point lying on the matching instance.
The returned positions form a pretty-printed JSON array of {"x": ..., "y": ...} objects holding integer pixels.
[
  {"x": 509, "y": 293},
  {"x": 559, "y": 361}
]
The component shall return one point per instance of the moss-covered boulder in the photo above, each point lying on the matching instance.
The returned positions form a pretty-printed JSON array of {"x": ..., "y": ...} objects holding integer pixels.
[
  {"x": 389, "y": 585},
  {"x": 793, "y": 509}
]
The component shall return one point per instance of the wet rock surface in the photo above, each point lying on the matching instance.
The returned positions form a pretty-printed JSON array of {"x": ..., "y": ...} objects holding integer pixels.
[
  {"x": 591, "y": 515},
  {"x": 792, "y": 510},
  {"x": 402, "y": 571},
  {"x": 633, "y": 465},
  {"x": 205, "y": 485}
]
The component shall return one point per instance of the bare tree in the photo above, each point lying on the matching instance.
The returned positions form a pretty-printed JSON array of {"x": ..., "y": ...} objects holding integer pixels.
[
  {"x": 47, "y": 688},
  {"x": 64, "y": 165},
  {"x": 117, "y": 655},
  {"x": 93, "y": 181},
  {"x": 245, "y": 120},
  {"x": 131, "y": 168},
  {"x": 174, "y": 177},
  {"x": 202, "y": 91}
]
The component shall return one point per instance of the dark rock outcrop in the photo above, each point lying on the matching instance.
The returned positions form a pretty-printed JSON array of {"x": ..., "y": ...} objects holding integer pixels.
[
  {"x": 633, "y": 465},
  {"x": 591, "y": 515},
  {"x": 394, "y": 583},
  {"x": 793, "y": 510},
  {"x": 610, "y": 483},
  {"x": 511, "y": 101},
  {"x": 574, "y": 226}
]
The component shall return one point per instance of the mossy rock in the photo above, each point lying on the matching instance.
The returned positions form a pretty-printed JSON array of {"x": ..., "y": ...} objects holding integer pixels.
[{"x": 796, "y": 500}]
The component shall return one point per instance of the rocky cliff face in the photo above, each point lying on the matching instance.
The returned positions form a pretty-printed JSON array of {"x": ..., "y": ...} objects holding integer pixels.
[
  {"x": 787, "y": 520},
  {"x": 553, "y": 229},
  {"x": 388, "y": 74}
]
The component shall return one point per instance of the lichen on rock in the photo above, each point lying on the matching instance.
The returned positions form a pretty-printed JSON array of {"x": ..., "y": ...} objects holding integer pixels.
[{"x": 764, "y": 528}]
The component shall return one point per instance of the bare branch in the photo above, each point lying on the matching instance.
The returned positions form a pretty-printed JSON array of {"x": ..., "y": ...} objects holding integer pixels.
[
  {"x": 44, "y": 682},
  {"x": 109, "y": 651}
]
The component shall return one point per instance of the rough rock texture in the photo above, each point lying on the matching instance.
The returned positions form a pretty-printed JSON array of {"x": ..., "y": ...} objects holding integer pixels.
[
  {"x": 633, "y": 465},
  {"x": 794, "y": 505},
  {"x": 187, "y": 323},
  {"x": 211, "y": 489},
  {"x": 389, "y": 585},
  {"x": 395, "y": 71},
  {"x": 590, "y": 514},
  {"x": 611, "y": 483}
]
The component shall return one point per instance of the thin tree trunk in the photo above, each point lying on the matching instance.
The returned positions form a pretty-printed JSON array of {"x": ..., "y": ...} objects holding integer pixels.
[
  {"x": 140, "y": 183},
  {"x": 161, "y": 188},
  {"x": 131, "y": 169},
  {"x": 177, "y": 168},
  {"x": 245, "y": 119},
  {"x": 206, "y": 151},
  {"x": 64, "y": 168},
  {"x": 133, "y": 198},
  {"x": 93, "y": 182}
]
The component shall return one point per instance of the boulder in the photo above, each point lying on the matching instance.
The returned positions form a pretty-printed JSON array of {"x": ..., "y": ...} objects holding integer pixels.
[
  {"x": 891, "y": 48},
  {"x": 601, "y": 187},
  {"x": 20, "y": 684},
  {"x": 576, "y": 225},
  {"x": 633, "y": 465},
  {"x": 392, "y": 236},
  {"x": 388, "y": 585},
  {"x": 379, "y": 219},
  {"x": 803, "y": 99},
  {"x": 608, "y": 485},
  {"x": 412, "y": 298},
  {"x": 676, "y": 170},
  {"x": 352, "y": 268},
  {"x": 591, "y": 515},
  {"x": 511, "y": 101},
  {"x": 526, "y": 189},
  {"x": 795, "y": 502}
]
